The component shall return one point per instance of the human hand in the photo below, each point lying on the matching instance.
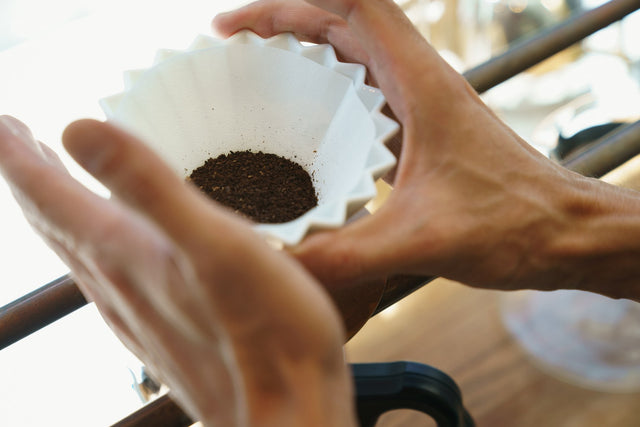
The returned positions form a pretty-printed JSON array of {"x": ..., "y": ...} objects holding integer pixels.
[
  {"x": 240, "y": 333},
  {"x": 471, "y": 202}
]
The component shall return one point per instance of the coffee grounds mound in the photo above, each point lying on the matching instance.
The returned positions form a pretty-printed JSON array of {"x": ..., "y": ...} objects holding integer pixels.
[{"x": 264, "y": 187}]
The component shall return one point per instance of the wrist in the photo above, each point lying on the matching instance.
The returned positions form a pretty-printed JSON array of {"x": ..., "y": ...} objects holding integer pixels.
[{"x": 596, "y": 246}]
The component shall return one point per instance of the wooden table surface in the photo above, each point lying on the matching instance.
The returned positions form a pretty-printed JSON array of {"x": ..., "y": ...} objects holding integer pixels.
[{"x": 458, "y": 330}]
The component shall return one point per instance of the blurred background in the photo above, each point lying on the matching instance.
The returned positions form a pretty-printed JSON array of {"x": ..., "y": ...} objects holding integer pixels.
[{"x": 58, "y": 58}]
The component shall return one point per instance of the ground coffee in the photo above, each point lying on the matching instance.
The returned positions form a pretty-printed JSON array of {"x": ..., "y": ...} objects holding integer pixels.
[{"x": 263, "y": 187}]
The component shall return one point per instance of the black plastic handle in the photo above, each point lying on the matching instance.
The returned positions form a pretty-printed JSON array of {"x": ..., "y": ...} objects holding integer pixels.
[{"x": 382, "y": 387}]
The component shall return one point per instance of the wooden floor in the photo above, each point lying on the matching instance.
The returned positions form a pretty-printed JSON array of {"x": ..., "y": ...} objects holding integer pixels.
[{"x": 459, "y": 331}]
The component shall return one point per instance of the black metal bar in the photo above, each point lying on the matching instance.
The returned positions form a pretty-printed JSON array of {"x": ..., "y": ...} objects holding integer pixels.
[
  {"x": 608, "y": 152},
  {"x": 161, "y": 412},
  {"x": 39, "y": 309},
  {"x": 546, "y": 43}
]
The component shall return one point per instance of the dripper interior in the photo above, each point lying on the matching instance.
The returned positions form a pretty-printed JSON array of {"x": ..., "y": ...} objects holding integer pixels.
[{"x": 238, "y": 97}]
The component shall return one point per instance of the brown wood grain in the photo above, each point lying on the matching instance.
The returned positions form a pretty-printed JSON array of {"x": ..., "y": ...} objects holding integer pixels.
[{"x": 458, "y": 330}]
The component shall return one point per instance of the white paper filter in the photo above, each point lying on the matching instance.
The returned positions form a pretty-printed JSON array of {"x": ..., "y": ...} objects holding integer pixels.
[{"x": 272, "y": 95}]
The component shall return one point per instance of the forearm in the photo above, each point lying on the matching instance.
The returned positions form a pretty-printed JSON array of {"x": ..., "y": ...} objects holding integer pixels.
[{"x": 598, "y": 248}]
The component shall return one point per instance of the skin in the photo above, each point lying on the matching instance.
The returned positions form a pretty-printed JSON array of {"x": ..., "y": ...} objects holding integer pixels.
[
  {"x": 472, "y": 201},
  {"x": 236, "y": 345},
  {"x": 262, "y": 345}
]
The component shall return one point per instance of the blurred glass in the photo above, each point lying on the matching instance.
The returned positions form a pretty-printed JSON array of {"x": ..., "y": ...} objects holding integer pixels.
[
  {"x": 579, "y": 337},
  {"x": 583, "y": 338}
]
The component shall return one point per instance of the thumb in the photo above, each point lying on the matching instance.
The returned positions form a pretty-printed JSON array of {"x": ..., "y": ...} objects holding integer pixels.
[{"x": 344, "y": 256}]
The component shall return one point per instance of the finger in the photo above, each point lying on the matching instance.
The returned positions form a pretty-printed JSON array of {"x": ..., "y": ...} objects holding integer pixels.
[
  {"x": 213, "y": 239},
  {"x": 51, "y": 199},
  {"x": 68, "y": 216},
  {"x": 309, "y": 23},
  {"x": 79, "y": 225},
  {"x": 132, "y": 283},
  {"x": 268, "y": 18},
  {"x": 399, "y": 57},
  {"x": 135, "y": 262},
  {"x": 12, "y": 126},
  {"x": 98, "y": 293},
  {"x": 51, "y": 156},
  {"x": 17, "y": 145},
  {"x": 391, "y": 241},
  {"x": 138, "y": 177},
  {"x": 336, "y": 257}
]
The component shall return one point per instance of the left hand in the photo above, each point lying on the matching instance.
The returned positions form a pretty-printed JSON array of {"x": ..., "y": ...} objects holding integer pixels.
[{"x": 240, "y": 333}]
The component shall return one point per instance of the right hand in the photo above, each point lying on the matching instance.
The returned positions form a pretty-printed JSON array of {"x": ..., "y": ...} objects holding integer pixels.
[{"x": 471, "y": 202}]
